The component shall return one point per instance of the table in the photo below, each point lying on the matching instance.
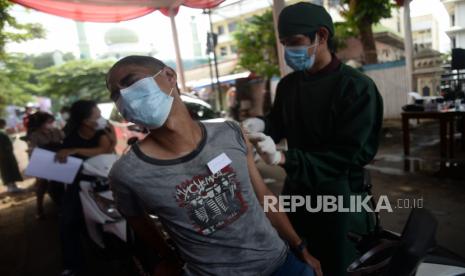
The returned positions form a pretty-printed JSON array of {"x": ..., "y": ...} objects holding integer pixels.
[{"x": 447, "y": 121}]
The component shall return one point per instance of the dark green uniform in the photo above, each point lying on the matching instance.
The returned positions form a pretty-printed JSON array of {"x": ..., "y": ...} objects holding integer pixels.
[{"x": 332, "y": 122}]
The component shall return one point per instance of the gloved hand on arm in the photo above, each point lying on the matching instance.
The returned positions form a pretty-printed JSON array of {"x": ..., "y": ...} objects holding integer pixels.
[
  {"x": 266, "y": 148},
  {"x": 253, "y": 125}
]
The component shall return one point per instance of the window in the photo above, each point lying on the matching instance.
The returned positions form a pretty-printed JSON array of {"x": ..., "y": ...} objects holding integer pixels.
[
  {"x": 426, "y": 91},
  {"x": 223, "y": 51},
  {"x": 220, "y": 30},
  {"x": 453, "y": 42},
  {"x": 385, "y": 52},
  {"x": 452, "y": 19},
  {"x": 233, "y": 49},
  {"x": 232, "y": 26}
]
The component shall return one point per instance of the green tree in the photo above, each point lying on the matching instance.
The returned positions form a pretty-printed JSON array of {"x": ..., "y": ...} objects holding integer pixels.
[
  {"x": 13, "y": 31},
  {"x": 343, "y": 31},
  {"x": 45, "y": 60},
  {"x": 18, "y": 82},
  {"x": 16, "y": 74},
  {"x": 361, "y": 15},
  {"x": 77, "y": 79},
  {"x": 256, "y": 45}
]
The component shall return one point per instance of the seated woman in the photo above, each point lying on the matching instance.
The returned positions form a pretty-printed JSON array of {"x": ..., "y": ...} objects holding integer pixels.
[
  {"x": 43, "y": 134},
  {"x": 87, "y": 135}
]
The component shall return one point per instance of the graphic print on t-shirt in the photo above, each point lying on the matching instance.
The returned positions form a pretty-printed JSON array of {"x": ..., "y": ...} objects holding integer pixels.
[{"x": 213, "y": 201}]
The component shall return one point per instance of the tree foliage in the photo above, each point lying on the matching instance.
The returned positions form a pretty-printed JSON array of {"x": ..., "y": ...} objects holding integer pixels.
[
  {"x": 77, "y": 79},
  {"x": 17, "y": 79},
  {"x": 343, "y": 31},
  {"x": 13, "y": 31},
  {"x": 361, "y": 15},
  {"x": 45, "y": 60},
  {"x": 64, "y": 84},
  {"x": 16, "y": 75},
  {"x": 256, "y": 45},
  {"x": 23, "y": 77}
]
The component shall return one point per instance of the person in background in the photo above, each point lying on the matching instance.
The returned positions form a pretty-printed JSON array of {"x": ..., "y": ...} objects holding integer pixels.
[
  {"x": 29, "y": 110},
  {"x": 331, "y": 116},
  {"x": 231, "y": 101},
  {"x": 45, "y": 135},
  {"x": 86, "y": 135},
  {"x": 62, "y": 117},
  {"x": 8, "y": 164}
]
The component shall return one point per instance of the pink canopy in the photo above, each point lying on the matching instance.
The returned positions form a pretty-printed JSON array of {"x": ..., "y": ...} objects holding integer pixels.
[
  {"x": 111, "y": 10},
  {"x": 119, "y": 10}
]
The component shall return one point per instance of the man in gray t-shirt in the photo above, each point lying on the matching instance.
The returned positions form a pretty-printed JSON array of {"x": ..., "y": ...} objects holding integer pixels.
[{"x": 200, "y": 180}]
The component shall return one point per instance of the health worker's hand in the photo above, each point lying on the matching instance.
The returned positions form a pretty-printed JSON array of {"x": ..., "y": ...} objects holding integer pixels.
[
  {"x": 266, "y": 148},
  {"x": 253, "y": 125}
]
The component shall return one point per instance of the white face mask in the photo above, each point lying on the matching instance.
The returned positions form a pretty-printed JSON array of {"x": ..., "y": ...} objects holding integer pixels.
[
  {"x": 65, "y": 116},
  {"x": 101, "y": 123},
  {"x": 145, "y": 104}
]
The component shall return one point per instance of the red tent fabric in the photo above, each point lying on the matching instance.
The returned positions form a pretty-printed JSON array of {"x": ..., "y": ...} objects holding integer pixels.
[
  {"x": 202, "y": 4},
  {"x": 110, "y": 10}
]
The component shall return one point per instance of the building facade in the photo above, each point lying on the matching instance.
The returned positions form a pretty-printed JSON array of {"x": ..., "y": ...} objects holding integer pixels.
[
  {"x": 456, "y": 31},
  {"x": 227, "y": 18},
  {"x": 427, "y": 71},
  {"x": 425, "y": 32}
]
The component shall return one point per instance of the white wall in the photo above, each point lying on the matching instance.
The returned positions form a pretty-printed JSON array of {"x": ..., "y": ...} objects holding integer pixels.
[
  {"x": 460, "y": 22},
  {"x": 460, "y": 14},
  {"x": 392, "y": 85}
]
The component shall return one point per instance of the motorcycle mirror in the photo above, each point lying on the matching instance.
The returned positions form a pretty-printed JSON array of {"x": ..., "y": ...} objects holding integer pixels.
[{"x": 418, "y": 238}]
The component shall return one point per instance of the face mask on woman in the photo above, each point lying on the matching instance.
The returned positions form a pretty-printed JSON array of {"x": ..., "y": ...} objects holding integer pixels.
[
  {"x": 49, "y": 125},
  {"x": 145, "y": 104},
  {"x": 65, "y": 116},
  {"x": 101, "y": 123}
]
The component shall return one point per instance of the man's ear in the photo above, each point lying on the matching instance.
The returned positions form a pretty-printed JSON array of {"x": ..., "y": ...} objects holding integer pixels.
[
  {"x": 172, "y": 77},
  {"x": 323, "y": 35}
]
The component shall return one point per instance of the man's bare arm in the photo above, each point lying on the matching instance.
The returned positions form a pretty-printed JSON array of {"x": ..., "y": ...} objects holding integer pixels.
[{"x": 279, "y": 220}]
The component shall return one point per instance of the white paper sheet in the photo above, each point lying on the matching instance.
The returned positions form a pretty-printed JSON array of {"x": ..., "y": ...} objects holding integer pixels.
[{"x": 43, "y": 165}]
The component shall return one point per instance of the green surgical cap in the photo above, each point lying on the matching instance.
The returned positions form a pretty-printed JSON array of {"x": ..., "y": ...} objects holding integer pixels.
[{"x": 303, "y": 18}]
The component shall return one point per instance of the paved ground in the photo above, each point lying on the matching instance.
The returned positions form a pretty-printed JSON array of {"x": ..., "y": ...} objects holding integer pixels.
[{"x": 31, "y": 247}]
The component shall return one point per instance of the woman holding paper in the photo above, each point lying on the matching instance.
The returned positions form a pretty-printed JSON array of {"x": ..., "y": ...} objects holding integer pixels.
[{"x": 87, "y": 135}]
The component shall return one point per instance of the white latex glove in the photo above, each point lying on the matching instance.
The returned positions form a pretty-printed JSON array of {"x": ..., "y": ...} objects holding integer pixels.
[
  {"x": 266, "y": 148},
  {"x": 253, "y": 125}
]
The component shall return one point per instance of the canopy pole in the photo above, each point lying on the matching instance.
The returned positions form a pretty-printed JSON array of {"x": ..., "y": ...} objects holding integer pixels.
[
  {"x": 179, "y": 66},
  {"x": 278, "y": 6},
  {"x": 408, "y": 44}
]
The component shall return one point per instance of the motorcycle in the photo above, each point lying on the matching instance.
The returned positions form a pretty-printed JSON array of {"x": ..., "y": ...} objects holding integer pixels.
[
  {"x": 413, "y": 252},
  {"x": 106, "y": 227},
  {"x": 100, "y": 213}
]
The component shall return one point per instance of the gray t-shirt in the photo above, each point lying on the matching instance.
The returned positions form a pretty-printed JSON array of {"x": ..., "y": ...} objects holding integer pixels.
[{"x": 215, "y": 220}]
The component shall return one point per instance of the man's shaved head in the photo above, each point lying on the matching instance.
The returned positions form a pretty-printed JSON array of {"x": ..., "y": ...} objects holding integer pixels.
[{"x": 128, "y": 70}]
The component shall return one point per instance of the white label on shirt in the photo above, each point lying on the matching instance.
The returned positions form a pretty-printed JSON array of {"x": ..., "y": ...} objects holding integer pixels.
[{"x": 218, "y": 163}]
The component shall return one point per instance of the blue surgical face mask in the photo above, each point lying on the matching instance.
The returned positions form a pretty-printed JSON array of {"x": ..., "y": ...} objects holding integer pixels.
[
  {"x": 145, "y": 104},
  {"x": 297, "y": 56}
]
